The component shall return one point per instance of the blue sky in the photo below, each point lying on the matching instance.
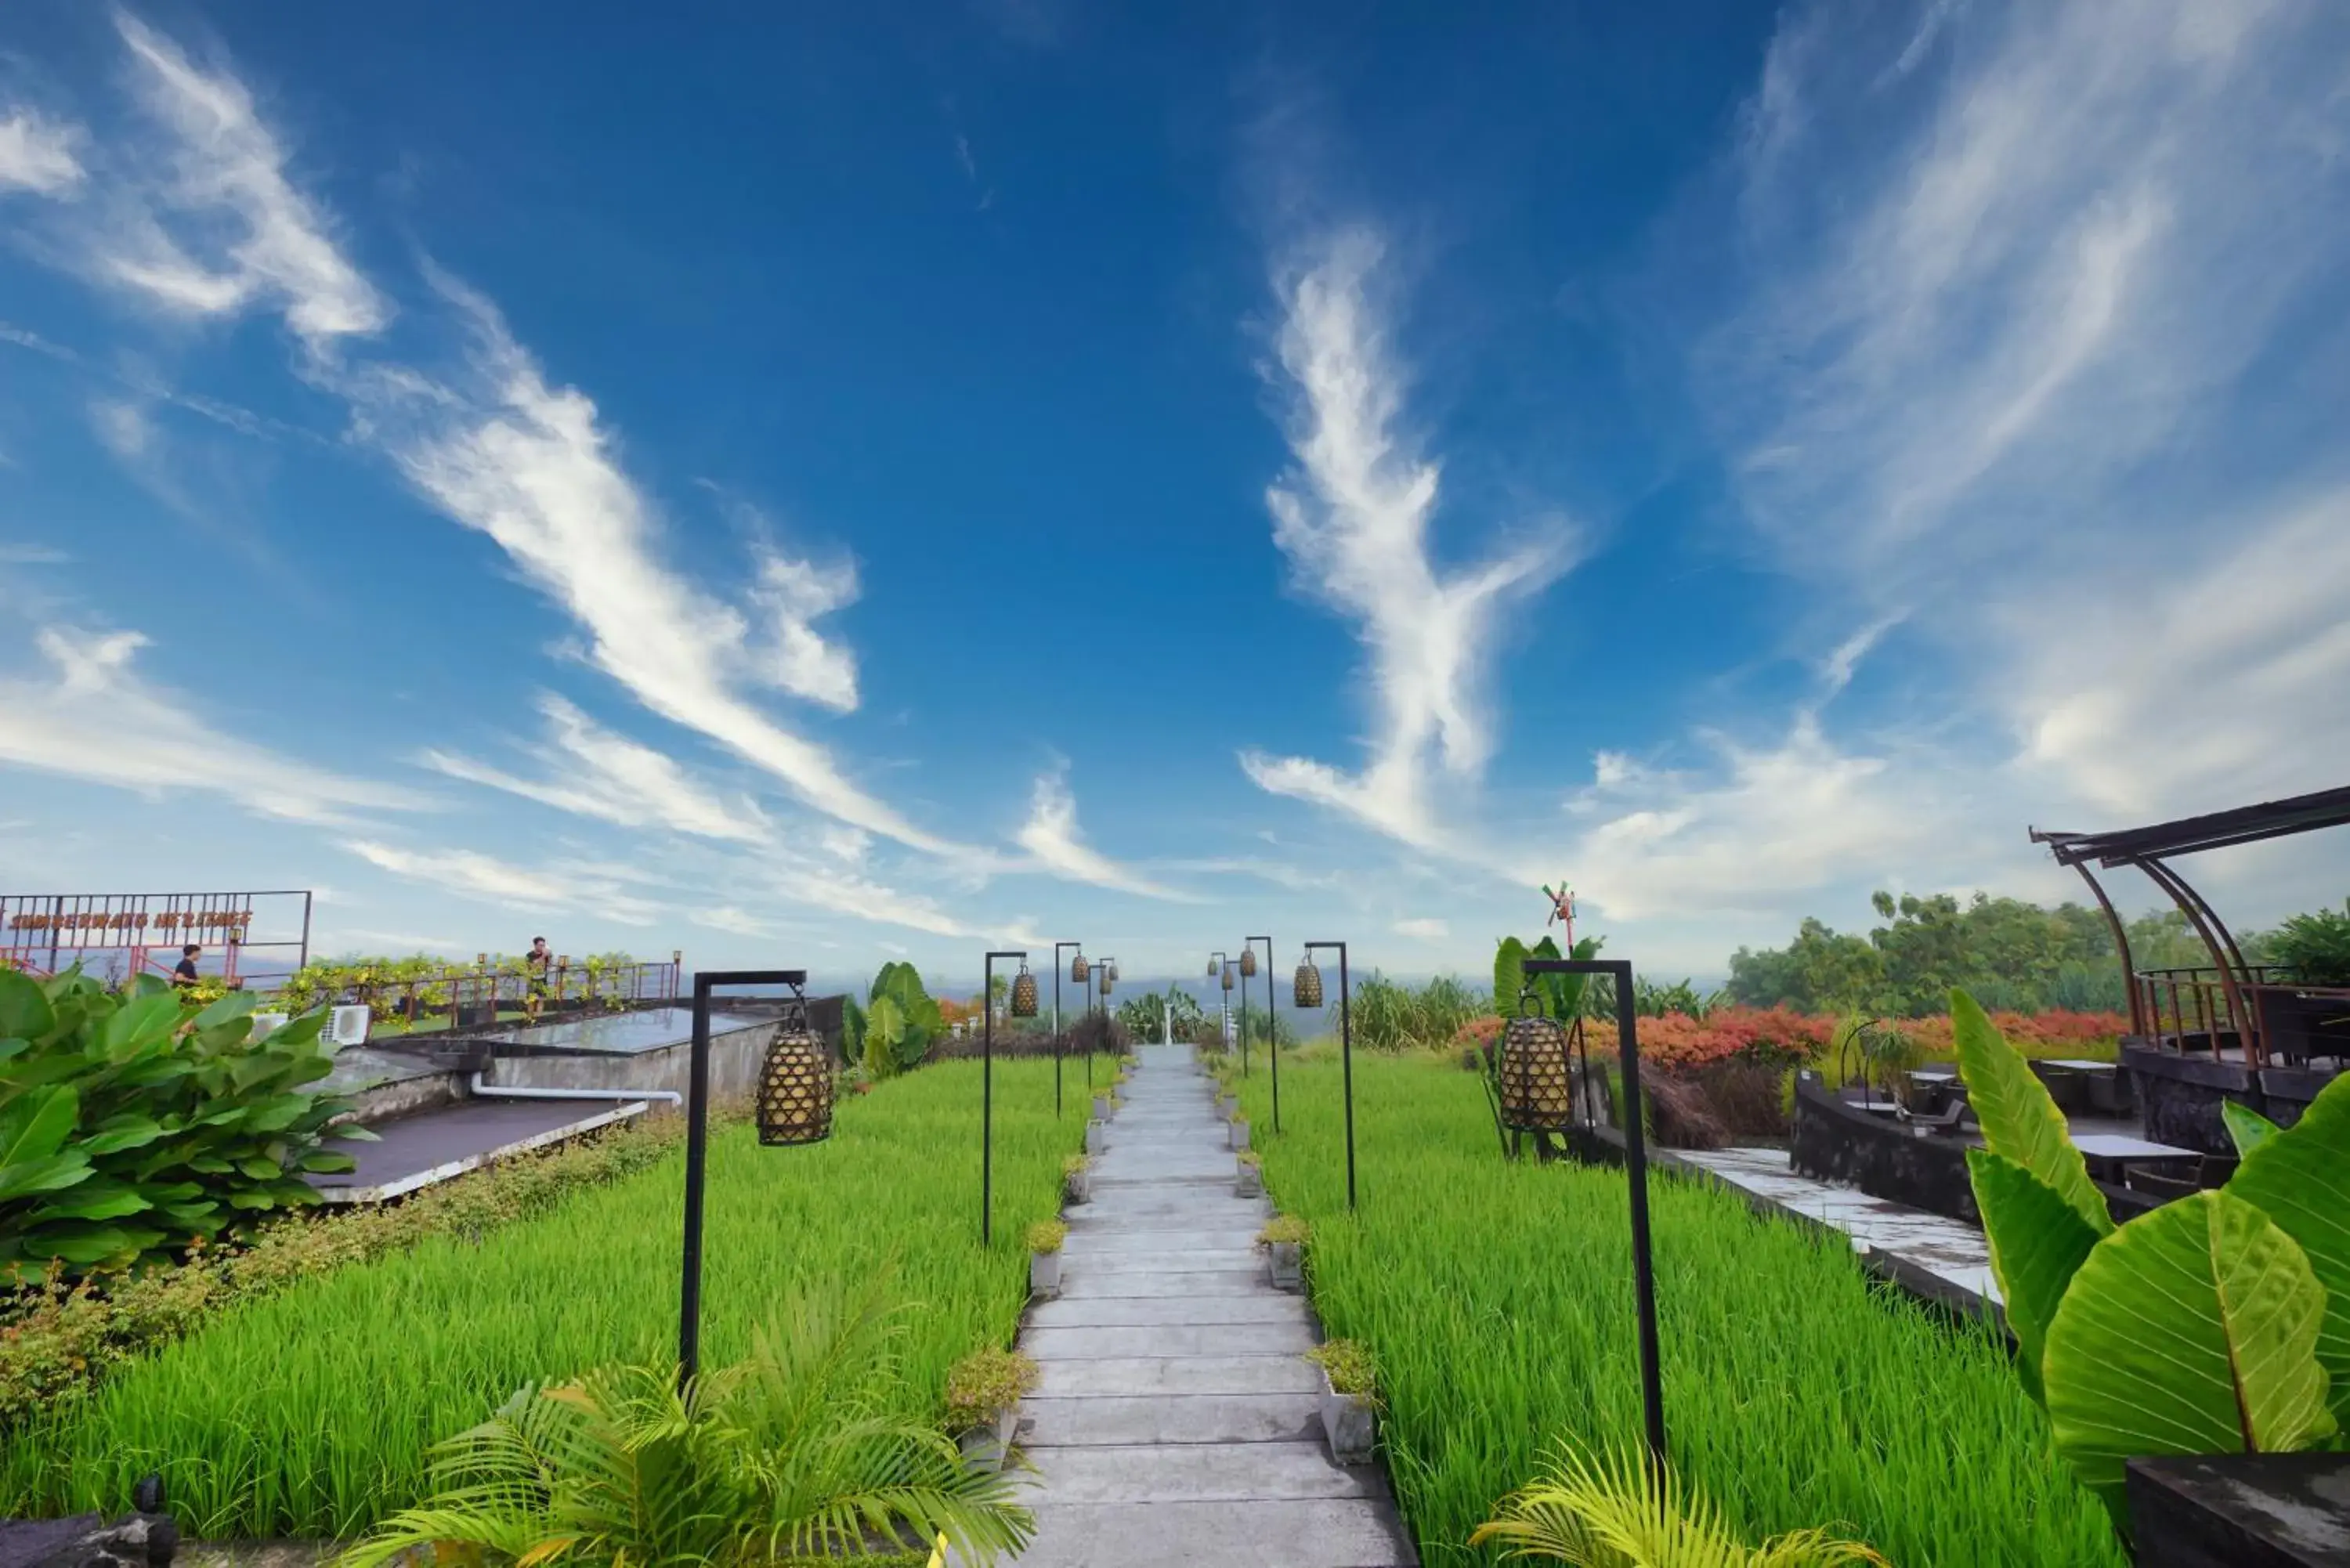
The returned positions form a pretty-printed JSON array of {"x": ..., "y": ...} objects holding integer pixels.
[{"x": 797, "y": 487}]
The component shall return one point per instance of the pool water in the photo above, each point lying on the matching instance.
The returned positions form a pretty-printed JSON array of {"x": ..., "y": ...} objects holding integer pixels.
[{"x": 619, "y": 1033}]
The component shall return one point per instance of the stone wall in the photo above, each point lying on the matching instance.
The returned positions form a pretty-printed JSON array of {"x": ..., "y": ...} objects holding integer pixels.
[{"x": 1834, "y": 1142}]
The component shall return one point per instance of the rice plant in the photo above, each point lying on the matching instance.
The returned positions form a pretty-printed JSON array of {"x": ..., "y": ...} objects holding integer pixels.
[
  {"x": 309, "y": 1414},
  {"x": 1497, "y": 1301}
]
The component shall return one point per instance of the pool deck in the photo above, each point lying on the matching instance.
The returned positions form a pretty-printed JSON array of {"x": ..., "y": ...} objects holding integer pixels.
[
  {"x": 1175, "y": 1421},
  {"x": 416, "y": 1151},
  {"x": 1944, "y": 1260}
]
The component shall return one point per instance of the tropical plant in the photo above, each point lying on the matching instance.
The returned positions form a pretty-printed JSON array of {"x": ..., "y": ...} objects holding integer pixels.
[
  {"x": 1047, "y": 1235},
  {"x": 2219, "y": 1323},
  {"x": 1348, "y": 1363},
  {"x": 795, "y": 1451},
  {"x": 1560, "y": 996},
  {"x": 133, "y": 1122},
  {"x": 1146, "y": 1016},
  {"x": 2314, "y": 949},
  {"x": 901, "y": 1022},
  {"x": 1617, "y": 1511}
]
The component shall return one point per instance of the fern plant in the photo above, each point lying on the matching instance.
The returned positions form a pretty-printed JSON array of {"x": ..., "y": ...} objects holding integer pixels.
[
  {"x": 796, "y": 1451},
  {"x": 1614, "y": 1511}
]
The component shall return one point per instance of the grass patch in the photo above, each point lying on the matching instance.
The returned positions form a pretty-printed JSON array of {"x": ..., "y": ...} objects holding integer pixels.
[
  {"x": 307, "y": 1414},
  {"x": 1497, "y": 1301}
]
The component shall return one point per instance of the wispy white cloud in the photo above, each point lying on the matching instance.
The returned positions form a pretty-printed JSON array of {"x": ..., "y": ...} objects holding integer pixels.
[
  {"x": 1353, "y": 517},
  {"x": 92, "y": 716},
  {"x": 1424, "y": 928},
  {"x": 37, "y": 154},
  {"x": 794, "y": 594},
  {"x": 2010, "y": 328},
  {"x": 1052, "y": 836},
  {"x": 18, "y": 554},
  {"x": 217, "y": 225},
  {"x": 471, "y": 874},
  {"x": 608, "y": 776}
]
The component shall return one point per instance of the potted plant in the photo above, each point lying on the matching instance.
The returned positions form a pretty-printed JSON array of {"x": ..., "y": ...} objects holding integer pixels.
[
  {"x": 1251, "y": 1177},
  {"x": 1239, "y": 1130},
  {"x": 1350, "y": 1403},
  {"x": 1045, "y": 1239},
  {"x": 1283, "y": 1241},
  {"x": 1076, "y": 1178},
  {"x": 983, "y": 1394}
]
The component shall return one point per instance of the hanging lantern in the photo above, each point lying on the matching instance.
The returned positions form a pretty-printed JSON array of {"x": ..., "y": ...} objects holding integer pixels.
[
  {"x": 1305, "y": 990},
  {"x": 1248, "y": 964},
  {"x": 1534, "y": 1081},
  {"x": 1212, "y": 966},
  {"x": 795, "y": 1088},
  {"x": 1228, "y": 977},
  {"x": 1079, "y": 969},
  {"x": 1109, "y": 972},
  {"x": 1024, "y": 993}
]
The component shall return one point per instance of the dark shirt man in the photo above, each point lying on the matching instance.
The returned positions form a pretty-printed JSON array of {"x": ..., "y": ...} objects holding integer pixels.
[{"x": 184, "y": 973}]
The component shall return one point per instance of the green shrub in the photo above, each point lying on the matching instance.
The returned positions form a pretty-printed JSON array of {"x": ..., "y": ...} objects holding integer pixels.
[
  {"x": 1284, "y": 1229},
  {"x": 1348, "y": 1364},
  {"x": 2314, "y": 949},
  {"x": 1047, "y": 1236},
  {"x": 131, "y": 1124},
  {"x": 985, "y": 1384},
  {"x": 60, "y": 1337}
]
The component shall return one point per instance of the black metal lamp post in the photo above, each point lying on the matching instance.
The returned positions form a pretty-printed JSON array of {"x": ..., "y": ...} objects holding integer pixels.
[
  {"x": 1271, "y": 1030},
  {"x": 1056, "y": 1014},
  {"x": 1231, "y": 969},
  {"x": 1220, "y": 964},
  {"x": 1023, "y": 1005},
  {"x": 1636, "y": 1167},
  {"x": 793, "y": 1109},
  {"x": 1104, "y": 975},
  {"x": 1307, "y": 993}
]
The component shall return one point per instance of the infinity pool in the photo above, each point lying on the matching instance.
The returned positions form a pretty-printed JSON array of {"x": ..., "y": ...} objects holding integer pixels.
[{"x": 619, "y": 1033}]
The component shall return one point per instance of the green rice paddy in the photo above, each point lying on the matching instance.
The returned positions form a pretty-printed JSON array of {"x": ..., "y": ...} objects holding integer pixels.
[
  {"x": 1497, "y": 1301},
  {"x": 308, "y": 1414}
]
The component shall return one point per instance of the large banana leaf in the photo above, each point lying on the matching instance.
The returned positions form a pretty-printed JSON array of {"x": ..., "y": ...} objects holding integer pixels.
[
  {"x": 2037, "y": 1242},
  {"x": 2300, "y": 1178},
  {"x": 1509, "y": 976},
  {"x": 2190, "y": 1330},
  {"x": 25, "y": 1012},
  {"x": 2247, "y": 1128},
  {"x": 2019, "y": 1118}
]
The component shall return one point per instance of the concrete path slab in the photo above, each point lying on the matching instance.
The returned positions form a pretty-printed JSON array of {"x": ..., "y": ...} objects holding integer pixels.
[{"x": 1175, "y": 1419}]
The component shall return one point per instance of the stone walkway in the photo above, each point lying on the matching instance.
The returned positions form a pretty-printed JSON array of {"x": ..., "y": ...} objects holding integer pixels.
[{"x": 1175, "y": 1421}]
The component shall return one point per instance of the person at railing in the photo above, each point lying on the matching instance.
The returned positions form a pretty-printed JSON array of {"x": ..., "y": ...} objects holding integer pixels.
[
  {"x": 184, "y": 973},
  {"x": 537, "y": 963}
]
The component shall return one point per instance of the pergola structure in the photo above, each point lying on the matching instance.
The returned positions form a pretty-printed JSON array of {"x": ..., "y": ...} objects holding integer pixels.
[{"x": 2265, "y": 1015}]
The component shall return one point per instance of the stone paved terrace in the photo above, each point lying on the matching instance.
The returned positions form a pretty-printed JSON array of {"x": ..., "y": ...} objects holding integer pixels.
[{"x": 1174, "y": 1421}]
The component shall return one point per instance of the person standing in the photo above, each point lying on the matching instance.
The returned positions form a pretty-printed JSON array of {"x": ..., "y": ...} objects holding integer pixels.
[
  {"x": 536, "y": 963},
  {"x": 184, "y": 973}
]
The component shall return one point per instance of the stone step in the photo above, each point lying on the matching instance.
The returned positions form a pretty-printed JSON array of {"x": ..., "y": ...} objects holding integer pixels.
[
  {"x": 1095, "y": 1342},
  {"x": 1096, "y": 1244},
  {"x": 1148, "y": 1375},
  {"x": 1188, "y": 1285},
  {"x": 1172, "y": 1419},
  {"x": 1187, "y": 1260},
  {"x": 1145, "y": 1312},
  {"x": 1200, "y": 1214},
  {"x": 1196, "y": 1472},
  {"x": 1331, "y": 1533}
]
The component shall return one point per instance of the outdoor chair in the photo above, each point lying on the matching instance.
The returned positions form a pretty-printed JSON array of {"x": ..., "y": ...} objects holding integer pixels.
[
  {"x": 2215, "y": 1170},
  {"x": 1952, "y": 1118},
  {"x": 2068, "y": 1088}
]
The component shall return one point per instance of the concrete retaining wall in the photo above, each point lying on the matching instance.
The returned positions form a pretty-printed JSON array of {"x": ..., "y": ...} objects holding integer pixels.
[{"x": 735, "y": 1058}]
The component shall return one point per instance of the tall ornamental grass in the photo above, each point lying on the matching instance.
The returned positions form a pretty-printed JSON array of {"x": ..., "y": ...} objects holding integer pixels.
[
  {"x": 308, "y": 1414},
  {"x": 1497, "y": 1302}
]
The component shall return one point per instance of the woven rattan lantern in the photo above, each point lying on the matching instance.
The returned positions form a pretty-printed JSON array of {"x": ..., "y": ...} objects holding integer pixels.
[
  {"x": 1212, "y": 966},
  {"x": 1248, "y": 964},
  {"x": 1228, "y": 977},
  {"x": 1533, "y": 1083},
  {"x": 1109, "y": 974},
  {"x": 1305, "y": 990},
  {"x": 1079, "y": 969},
  {"x": 1024, "y": 993},
  {"x": 794, "y": 1088}
]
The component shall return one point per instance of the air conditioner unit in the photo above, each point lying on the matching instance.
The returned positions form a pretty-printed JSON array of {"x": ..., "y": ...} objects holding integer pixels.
[
  {"x": 265, "y": 1025},
  {"x": 349, "y": 1027}
]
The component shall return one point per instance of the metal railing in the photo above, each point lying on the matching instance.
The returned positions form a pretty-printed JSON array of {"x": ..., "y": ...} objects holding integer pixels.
[{"x": 2193, "y": 1008}]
